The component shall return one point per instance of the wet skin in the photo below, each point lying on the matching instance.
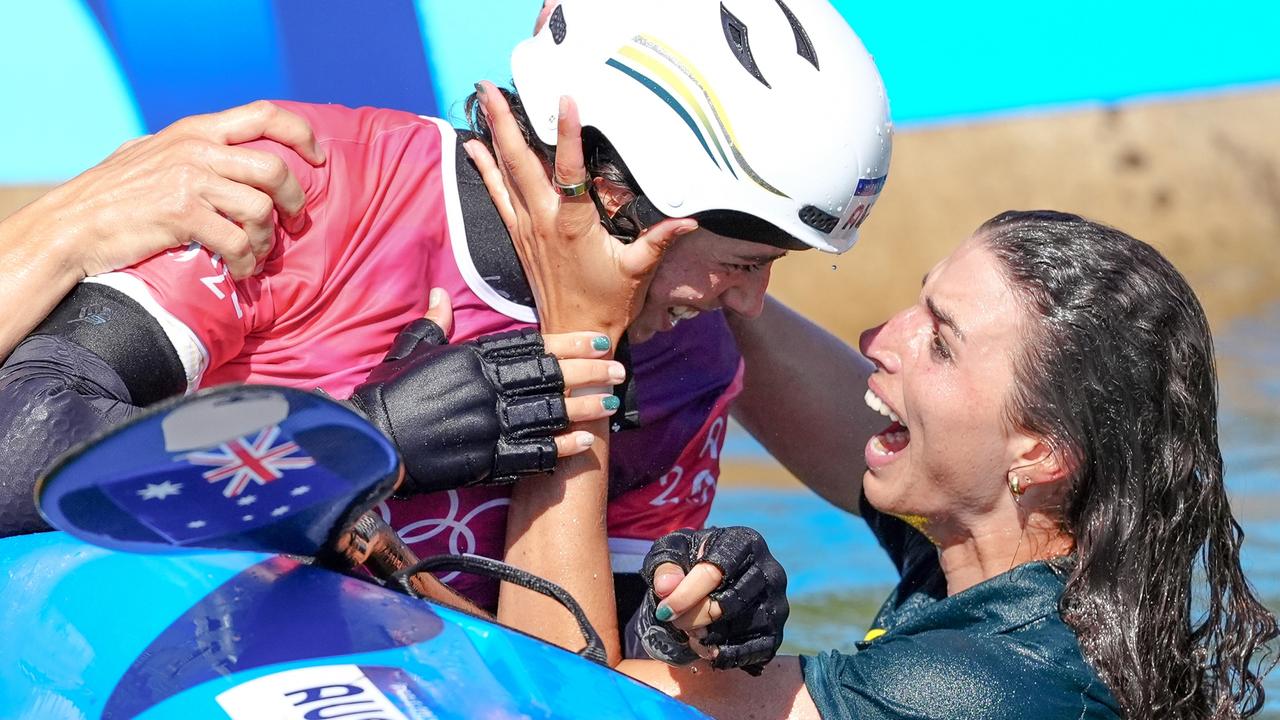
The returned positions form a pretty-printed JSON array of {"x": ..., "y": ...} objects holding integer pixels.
[
  {"x": 702, "y": 272},
  {"x": 945, "y": 368}
]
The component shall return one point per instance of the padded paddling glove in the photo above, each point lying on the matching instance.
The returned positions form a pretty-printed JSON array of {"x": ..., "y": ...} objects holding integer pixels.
[
  {"x": 476, "y": 413},
  {"x": 752, "y": 598}
]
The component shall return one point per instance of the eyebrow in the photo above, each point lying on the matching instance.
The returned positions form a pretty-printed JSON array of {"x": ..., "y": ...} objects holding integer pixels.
[{"x": 944, "y": 317}]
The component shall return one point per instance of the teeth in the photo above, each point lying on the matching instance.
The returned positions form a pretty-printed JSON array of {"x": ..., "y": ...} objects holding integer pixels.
[
  {"x": 682, "y": 312},
  {"x": 895, "y": 438},
  {"x": 875, "y": 403}
]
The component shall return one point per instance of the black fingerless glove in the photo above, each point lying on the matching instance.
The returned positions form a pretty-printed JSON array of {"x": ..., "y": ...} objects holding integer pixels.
[
  {"x": 752, "y": 598},
  {"x": 476, "y": 413}
]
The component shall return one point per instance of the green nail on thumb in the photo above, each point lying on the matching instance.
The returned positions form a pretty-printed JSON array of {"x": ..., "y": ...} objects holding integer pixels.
[{"x": 664, "y": 613}]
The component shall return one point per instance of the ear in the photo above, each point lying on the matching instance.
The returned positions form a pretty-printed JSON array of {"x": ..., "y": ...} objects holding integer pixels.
[
  {"x": 612, "y": 195},
  {"x": 1039, "y": 462}
]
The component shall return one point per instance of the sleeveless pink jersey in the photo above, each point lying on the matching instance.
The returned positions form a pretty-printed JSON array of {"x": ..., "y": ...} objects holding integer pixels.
[{"x": 385, "y": 226}]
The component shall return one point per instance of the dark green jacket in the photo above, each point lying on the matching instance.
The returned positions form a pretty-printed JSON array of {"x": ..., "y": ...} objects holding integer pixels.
[{"x": 996, "y": 651}]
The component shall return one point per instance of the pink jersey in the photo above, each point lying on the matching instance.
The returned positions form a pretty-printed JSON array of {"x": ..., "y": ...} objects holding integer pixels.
[{"x": 385, "y": 226}]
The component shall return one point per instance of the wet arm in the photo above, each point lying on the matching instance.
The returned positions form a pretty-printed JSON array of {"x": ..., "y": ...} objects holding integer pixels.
[
  {"x": 801, "y": 376},
  {"x": 556, "y": 530},
  {"x": 188, "y": 182},
  {"x": 778, "y": 694}
]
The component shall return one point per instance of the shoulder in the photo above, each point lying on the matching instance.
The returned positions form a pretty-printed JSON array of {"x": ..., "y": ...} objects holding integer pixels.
[{"x": 952, "y": 674}]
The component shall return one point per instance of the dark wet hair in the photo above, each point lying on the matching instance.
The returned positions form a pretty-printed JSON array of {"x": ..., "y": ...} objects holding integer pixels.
[{"x": 1118, "y": 375}]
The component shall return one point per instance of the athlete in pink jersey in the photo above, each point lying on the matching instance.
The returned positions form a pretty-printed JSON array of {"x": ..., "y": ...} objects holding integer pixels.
[
  {"x": 387, "y": 222},
  {"x": 394, "y": 212}
]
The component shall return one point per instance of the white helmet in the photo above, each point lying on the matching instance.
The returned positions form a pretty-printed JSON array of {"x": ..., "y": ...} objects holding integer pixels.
[{"x": 766, "y": 119}]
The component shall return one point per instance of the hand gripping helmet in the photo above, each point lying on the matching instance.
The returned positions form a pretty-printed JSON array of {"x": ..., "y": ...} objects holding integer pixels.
[{"x": 764, "y": 119}]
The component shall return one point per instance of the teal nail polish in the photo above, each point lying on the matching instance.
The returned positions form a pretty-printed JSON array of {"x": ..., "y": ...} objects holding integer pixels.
[
  {"x": 600, "y": 343},
  {"x": 664, "y": 613},
  {"x": 479, "y": 89},
  {"x": 611, "y": 402}
]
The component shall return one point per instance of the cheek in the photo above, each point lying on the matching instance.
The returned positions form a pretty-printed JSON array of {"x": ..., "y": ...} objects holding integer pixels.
[
  {"x": 677, "y": 281},
  {"x": 961, "y": 439}
]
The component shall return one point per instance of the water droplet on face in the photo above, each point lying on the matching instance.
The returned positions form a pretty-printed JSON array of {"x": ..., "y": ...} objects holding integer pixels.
[{"x": 833, "y": 267}]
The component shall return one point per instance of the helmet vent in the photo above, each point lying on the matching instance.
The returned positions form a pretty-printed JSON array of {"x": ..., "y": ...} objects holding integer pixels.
[
  {"x": 804, "y": 46},
  {"x": 735, "y": 32},
  {"x": 818, "y": 219},
  {"x": 558, "y": 28}
]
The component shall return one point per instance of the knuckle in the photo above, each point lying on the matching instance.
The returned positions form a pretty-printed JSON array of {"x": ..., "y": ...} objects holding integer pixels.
[
  {"x": 192, "y": 148},
  {"x": 275, "y": 171},
  {"x": 238, "y": 248},
  {"x": 260, "y": 208},
  {"x": 262, "y": 109}
]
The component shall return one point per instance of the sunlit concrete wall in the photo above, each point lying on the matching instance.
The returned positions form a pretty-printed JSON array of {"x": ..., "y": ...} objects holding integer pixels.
[{"x": 1199, "y": 178}]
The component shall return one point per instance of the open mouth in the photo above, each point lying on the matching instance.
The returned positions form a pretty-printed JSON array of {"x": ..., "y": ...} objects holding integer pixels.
[
  {"x": 892, "y": 440},
  {"x": 679, "y": 313}
]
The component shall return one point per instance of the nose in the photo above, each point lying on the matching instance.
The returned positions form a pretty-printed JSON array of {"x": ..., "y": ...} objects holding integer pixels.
[
  {"x": 878, "y": 345},
  {"x": 746, "y": 296}
]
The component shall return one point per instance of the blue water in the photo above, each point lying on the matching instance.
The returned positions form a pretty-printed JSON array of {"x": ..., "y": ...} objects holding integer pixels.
[{"x": 838, "y": 572}]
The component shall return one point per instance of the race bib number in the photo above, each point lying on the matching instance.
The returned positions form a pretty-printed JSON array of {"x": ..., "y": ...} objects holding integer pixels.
[{"x": 682, "y": 497}]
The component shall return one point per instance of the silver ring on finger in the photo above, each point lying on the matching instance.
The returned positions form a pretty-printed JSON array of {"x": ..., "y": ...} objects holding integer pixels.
[{"x": 571, "y": 189}]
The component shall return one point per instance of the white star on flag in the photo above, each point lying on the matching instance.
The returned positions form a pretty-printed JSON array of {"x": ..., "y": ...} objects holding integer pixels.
[
  {"x": 160, "y": 491},
  {"x": 300, "y": 490},
  {"x": 243, "y": 462},
  {"x": 196, "y": 524},
  {"x": 280, "y": 511},
  {"x": 247, "y": 500}
]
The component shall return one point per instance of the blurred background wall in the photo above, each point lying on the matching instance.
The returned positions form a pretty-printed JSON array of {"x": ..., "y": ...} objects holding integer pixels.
[{"x": 1161, "y": 118}]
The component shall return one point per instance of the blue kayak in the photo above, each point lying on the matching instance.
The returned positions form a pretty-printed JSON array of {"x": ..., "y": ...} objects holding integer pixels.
[{"x": 91, "y": 632}]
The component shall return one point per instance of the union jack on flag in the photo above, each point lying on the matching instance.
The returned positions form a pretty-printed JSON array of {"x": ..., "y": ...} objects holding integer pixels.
[{"x": 242, "y": 462}]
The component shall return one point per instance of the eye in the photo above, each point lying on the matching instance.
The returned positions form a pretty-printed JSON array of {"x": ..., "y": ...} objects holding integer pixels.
[
  {"x": 939, "y": 348},
  {"x": 755, "y": 267}
]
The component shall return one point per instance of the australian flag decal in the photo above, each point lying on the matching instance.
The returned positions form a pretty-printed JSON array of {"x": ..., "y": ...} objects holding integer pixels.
[
  {"x": 236, "y": 486},
  {"x": 261, "y": 461}
]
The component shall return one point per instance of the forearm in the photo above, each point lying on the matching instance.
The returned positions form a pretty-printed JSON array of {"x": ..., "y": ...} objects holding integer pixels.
[
  {"x": 39, "y": 268},
  {"x": 778, "y": 694},
  {"x": 53, "y": 395},
  {"x": 556, "y": 530},
  {"x": 803, "y": 400}
]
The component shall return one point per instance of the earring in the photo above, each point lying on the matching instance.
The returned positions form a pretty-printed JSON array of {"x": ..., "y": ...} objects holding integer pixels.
[{"x": 1015, "y": 486}]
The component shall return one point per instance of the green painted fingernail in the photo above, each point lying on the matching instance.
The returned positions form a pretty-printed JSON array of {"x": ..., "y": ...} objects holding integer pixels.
[
  {"x": 664, "y": 613},
  {"x": 600, "y": 343},
  {"x": 611, "y": 402}
]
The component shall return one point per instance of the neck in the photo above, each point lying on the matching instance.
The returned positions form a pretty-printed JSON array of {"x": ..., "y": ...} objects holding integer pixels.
[{"x": 992, "y": 546}]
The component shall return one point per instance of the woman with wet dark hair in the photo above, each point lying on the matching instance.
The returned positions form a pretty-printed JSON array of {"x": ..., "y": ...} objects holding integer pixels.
[
  {"x": 1119, "y": 374},
  {"x": 1049, "y": 486}
]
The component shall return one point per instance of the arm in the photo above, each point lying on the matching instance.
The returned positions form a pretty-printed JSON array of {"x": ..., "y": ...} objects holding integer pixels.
[
  {"x": 581, "y": 278},
  {"x": 799, "y": 375},
  {"x": 778, "y": 693},
  {"x": 153, "y": 194},
  {"x": 93, "y": 363}
]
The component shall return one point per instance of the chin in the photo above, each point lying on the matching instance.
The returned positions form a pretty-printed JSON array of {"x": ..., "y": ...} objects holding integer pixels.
[
  {"x": 883, "y": 490},
  {"x": 637, "y": 334}
]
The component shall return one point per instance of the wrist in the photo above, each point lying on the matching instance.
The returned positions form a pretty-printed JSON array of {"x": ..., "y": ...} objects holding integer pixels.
[{"x": 38, "y": 239}]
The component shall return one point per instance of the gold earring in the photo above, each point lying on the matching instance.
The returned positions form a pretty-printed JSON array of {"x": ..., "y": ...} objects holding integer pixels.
[{"x": 1015, "y": 485}]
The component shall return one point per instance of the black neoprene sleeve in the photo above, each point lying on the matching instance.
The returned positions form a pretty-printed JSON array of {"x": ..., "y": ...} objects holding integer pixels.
[{"x": 55, "y": 392}]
